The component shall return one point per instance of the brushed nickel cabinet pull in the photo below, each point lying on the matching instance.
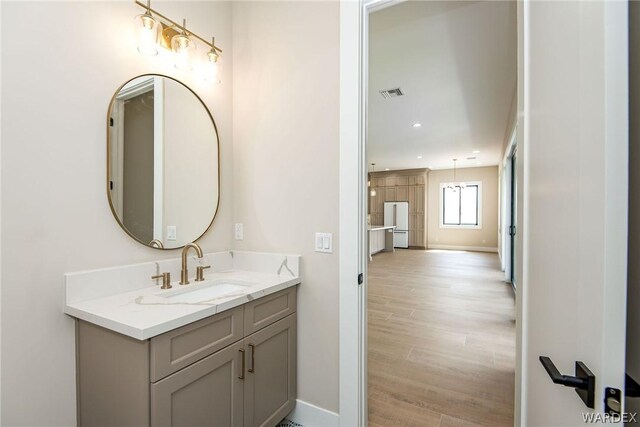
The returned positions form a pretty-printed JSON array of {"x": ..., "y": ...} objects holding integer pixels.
[
  {"x": 242, "y": 372},
  {"x": 253, "y": 351}
]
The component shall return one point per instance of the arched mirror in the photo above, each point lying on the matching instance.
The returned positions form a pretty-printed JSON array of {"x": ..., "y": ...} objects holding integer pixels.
[{"x": 163, "y": 174}]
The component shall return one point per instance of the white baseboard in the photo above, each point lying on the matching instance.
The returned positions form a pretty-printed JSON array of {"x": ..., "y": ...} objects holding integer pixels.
[
  {"x": 313, "y": 416},
  {"x": 464, "y": 248}
]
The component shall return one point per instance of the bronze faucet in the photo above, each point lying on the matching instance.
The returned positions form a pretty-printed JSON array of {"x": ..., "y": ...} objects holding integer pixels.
[{"x": 184, "y": 273}]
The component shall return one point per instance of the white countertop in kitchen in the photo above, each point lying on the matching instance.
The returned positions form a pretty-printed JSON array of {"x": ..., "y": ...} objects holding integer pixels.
[{"x": 381, "y": 227}]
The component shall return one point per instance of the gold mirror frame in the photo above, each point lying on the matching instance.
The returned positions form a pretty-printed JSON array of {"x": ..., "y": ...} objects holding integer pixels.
[{"x": 113, "y": 211}]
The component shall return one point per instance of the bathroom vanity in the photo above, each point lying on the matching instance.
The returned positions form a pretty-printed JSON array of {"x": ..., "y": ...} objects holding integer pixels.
[{"x": 221, "y": 352}]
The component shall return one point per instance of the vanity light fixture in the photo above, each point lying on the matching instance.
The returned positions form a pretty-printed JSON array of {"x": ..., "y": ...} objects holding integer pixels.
[
  {"x": 154, "y": 31},
  {"x": 184, "y": 49},
  {"x": 214, "y": 64},
  {"x": 147, "y": 30}
]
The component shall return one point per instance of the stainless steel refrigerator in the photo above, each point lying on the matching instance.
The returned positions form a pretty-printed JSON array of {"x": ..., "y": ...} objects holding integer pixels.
[{"x": 397, "y": 213}]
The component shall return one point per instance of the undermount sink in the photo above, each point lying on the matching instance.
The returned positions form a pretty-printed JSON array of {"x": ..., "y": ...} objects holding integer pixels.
[{"x": 204, "y": 291}]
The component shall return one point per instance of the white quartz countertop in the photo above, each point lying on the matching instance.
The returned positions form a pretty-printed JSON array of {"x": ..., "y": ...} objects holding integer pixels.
[
  {"x": 381, "y": 227},
  {"x": 147, "y": 311}
]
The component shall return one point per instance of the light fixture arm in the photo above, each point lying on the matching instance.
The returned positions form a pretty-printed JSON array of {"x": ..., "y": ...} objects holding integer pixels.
[{"x": 175, "y": 24}]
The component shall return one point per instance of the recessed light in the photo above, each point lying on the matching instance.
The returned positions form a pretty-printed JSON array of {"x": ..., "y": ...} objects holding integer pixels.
[
  {"x": 476, "y": 151},
  {"x": 479, "y": 163},
  {"x": 386, "y": 169},
  {"x": 419, "y": 157},
  {"x": 417, "y": 125}
]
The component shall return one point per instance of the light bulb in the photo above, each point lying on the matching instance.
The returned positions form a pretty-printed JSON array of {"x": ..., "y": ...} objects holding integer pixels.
[
  {"x": 373, "y": 193},
  {"x": 147, "y": 30},
  {"x": 184, "y": 50},
  {"x": 213, "y": 72}
]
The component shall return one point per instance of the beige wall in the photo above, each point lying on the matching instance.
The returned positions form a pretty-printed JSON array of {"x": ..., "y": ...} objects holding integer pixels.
[
  {"x": 55, "y": 214},
  {"x": 487, "y": 236},
  {"x": 285, "y": 123}
]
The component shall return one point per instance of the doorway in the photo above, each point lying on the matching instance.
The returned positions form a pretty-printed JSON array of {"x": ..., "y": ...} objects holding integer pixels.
[
  {"x": 441, "y": 317},
  {"x": 542, "y": 86}
]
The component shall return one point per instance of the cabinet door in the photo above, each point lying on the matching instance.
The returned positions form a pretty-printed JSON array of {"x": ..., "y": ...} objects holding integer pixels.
[
  {"x": 420, "y": 205},
  {"x": 207, "y": 393},
  {"x": 270, "y": 388},
  {"x": 390, "y": 194},
  {"x": 402, "y": 193},
  {"x": 412, "y": 199}
]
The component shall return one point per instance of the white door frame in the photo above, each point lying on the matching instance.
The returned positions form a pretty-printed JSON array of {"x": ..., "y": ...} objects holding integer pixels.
[{"x": 354, "y": 15}]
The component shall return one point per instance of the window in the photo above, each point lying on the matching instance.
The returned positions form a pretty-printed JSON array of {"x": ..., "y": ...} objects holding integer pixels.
[{"x": 461, "y": 206}]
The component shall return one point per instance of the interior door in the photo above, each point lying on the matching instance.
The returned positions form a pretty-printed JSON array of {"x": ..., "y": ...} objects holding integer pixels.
[
  {"x": 573, "y": 97},
  {"x": 633, "y": 307}
]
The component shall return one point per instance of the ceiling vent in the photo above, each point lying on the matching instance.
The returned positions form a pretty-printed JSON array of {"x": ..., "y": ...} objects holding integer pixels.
[
  {"x": 471, "y": 158},
  {"x": 391, "y": 93}
]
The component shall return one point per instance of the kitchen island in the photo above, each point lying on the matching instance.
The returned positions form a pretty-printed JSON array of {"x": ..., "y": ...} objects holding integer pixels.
[{"x": 380, "y": 239}]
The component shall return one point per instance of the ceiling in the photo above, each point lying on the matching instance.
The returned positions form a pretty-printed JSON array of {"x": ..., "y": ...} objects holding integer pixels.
[{"x": 456, "y": 64}]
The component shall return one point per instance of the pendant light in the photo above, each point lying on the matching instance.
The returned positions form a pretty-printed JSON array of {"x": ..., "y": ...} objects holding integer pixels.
[
  {"x": 455, "y": 185},
  {"x": 147, "y": 30},
  {"x": 213, "y": 70},
  {"x": 184, "y": 49},
  {"x": 373, "y": 190}
]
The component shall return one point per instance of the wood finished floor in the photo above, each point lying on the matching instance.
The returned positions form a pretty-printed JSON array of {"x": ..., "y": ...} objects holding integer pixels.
[{"x": 441, "y": 340}]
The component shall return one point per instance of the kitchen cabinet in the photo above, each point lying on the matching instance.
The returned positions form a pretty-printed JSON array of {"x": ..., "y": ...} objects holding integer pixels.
[
  {"x": 235, "y": 368},
  {"x": 401, "y": 186}
]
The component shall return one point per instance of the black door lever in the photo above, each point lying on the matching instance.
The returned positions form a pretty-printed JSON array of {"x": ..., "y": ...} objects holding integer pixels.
[{"x": 584, "y": 382}]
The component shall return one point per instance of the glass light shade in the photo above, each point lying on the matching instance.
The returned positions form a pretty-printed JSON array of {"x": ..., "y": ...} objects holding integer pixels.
[
  {"x": 373, "y": 193},
  {"x": 147, "y": 31},
  {"x": 213, "y": 72},
  {"x": 184, "y": 50}
]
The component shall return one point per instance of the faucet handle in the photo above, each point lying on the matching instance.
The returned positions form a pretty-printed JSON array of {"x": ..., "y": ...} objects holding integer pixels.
[
  {"x": 200, "y": 272},
  {"x": 166, "y": 280}
]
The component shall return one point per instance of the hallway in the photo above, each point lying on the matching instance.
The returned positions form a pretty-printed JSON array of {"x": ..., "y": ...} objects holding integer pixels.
[{"x": 441, "y": 337}]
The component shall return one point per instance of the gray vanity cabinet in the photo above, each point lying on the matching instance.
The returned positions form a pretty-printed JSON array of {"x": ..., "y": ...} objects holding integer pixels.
[
  {"x": 235, "y": 368},
  {"x": 270, "y": 386},
  {"x": 207, "y": 393}
]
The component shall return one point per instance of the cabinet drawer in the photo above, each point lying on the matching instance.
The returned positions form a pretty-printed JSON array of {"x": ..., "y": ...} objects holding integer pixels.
[
  {"x": 181, "y": 347},
  {"x": 266, "y": 310}
]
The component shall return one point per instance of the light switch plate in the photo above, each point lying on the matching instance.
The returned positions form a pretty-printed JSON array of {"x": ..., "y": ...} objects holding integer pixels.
[
  {"x": 172, "y": 232},
  {"x": 239, "y": 231},
  {"x": 324, "y": 243}
]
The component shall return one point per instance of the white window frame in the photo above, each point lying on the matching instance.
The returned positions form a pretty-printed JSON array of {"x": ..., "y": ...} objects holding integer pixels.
[{"x": 441, "y": 206}]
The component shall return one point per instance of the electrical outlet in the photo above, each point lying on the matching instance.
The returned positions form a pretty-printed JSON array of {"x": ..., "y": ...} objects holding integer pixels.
[
  {"x": 172, "y": 232},
  {"x": 239, "y": 231}
]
